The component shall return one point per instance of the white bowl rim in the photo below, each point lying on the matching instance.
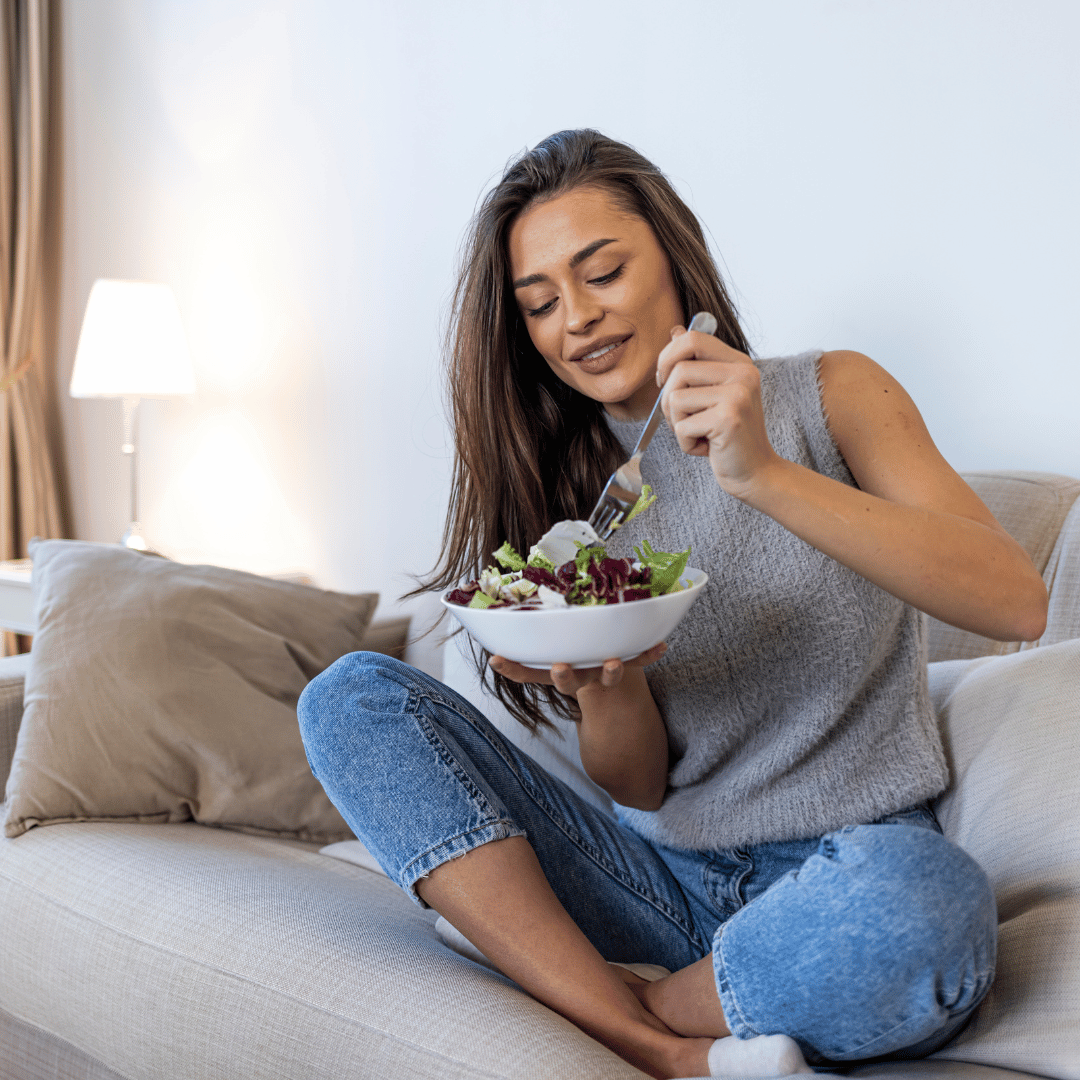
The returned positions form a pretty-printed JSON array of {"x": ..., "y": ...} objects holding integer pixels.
[{"x": 693, "y": 587}]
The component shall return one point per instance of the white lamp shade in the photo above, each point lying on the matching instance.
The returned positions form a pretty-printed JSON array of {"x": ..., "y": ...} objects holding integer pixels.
[{"x": 132, "y": 343}]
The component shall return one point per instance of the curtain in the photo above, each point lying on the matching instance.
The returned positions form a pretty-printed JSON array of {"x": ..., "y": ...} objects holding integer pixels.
[{"x": 29, "y": 480}]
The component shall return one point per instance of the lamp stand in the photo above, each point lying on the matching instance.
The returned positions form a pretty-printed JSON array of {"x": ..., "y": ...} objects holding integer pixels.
[{"x": 133, "y": 538}]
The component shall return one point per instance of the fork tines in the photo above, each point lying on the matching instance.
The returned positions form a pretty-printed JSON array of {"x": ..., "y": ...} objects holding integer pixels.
[{"x": 614, "y": 504}]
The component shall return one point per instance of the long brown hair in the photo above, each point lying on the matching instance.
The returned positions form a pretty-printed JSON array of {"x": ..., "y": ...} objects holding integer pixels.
[{"x": 531, "y": 450}]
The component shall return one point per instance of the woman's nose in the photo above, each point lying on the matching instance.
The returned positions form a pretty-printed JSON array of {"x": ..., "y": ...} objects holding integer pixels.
[{"x": 582, "y": 310}]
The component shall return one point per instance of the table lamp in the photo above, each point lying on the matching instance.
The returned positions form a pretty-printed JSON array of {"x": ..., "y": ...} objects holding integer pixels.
[{"x": 132, "y": 346}]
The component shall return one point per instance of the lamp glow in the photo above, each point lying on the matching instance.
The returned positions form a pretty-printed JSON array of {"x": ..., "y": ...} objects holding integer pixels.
[{"x": 131, "y": 346}]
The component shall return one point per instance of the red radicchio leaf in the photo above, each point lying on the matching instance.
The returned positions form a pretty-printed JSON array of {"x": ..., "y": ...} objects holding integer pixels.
[
  {"x": 463, "y": 596},
  {"x": 566, "y": 574},
  {"x": 539, "y": 576}
]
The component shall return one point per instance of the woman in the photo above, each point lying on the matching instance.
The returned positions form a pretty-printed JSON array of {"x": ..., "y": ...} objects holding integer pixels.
[{"x": 774, "y": 848}]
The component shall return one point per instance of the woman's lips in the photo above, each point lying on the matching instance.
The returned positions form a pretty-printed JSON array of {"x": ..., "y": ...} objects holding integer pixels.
[{"x": 599, "y": 364}]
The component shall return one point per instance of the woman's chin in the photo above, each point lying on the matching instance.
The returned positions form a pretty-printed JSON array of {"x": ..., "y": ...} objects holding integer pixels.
[
  {"x": 626, "y": 402},
  {"x": 624, "y": 397}
]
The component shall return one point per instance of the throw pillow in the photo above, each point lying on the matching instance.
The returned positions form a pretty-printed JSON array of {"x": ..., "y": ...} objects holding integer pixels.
[
  {"x": 1011, "y": 727},
  {"x": 163, "y": 692}
]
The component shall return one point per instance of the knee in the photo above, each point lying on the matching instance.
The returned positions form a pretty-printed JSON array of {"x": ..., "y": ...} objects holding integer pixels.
[
  {"x": 935, "y": 919},
  {"x": 333, "y": 707}
]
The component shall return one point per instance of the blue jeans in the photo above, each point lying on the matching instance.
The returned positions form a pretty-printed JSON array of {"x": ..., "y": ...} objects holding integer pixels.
[{"x": 872, "y": 941}]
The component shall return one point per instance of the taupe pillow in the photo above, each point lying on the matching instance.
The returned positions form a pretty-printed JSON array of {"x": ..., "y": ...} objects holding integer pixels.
[{"x": 161, "y": 692}]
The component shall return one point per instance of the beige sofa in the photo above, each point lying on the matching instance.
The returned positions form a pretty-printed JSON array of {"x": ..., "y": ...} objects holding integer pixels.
[{"x": 160, "y": 951}]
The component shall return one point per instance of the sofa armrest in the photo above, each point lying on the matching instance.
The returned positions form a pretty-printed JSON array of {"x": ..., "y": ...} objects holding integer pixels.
[{"x": 12, "y": 675}]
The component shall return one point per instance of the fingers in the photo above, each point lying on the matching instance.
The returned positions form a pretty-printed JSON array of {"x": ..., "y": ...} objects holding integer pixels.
[
  {"x": 691, "y": 345},
  {"x": 727, "y": 405},
  {"x": 568, "y": 680},
  {"x": 518, "y": 672},
  {"x": 563, "y": 677},
  {"x": 649, "y": 656},
  {"x": 722, "y": 399}
]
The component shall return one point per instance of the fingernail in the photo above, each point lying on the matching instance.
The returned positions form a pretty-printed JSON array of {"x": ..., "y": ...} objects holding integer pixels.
[{"x": 676, "y": 331}]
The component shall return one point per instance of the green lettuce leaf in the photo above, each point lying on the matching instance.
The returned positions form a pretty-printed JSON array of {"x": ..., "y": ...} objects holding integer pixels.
[
  {"x": 666, "y": 567},
  {"x": 508, "y": 558},
  {"x": 538, "y": 559},
  {"x": 644, "y": 501}
]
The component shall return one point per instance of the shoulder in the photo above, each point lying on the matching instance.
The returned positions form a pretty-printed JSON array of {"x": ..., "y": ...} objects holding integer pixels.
[
  {"x": 884, "y": 440},
  {"x": 862, "y": 400},
  {"x": 876, "y": 426},
  {"x": 843, "y": 372}
]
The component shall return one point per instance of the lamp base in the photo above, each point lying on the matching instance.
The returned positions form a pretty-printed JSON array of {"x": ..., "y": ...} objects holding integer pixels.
[{"x": 133, "y": 538}]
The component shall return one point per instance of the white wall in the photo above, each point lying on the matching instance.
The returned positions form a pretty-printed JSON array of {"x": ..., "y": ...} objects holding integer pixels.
[{"x": 896, "y": 178}]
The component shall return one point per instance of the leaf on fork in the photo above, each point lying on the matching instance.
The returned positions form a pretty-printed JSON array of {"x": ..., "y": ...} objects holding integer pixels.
[{"x": 644, "y": 501}]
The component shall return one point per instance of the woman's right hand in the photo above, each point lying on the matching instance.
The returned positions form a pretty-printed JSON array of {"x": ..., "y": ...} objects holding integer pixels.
[{"x": 570, "y": 681}]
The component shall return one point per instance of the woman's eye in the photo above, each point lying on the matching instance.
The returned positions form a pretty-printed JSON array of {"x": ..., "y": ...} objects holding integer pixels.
[
  {"x": 540, "y": 310},
  {"x": 607, "y": 278}
]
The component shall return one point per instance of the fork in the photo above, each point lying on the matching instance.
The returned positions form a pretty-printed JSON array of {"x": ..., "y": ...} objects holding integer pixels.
[{"x": 623, "y": 488}]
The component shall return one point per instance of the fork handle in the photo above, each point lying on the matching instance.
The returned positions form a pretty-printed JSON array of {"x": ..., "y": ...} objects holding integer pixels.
[{"x": 702, "y": 322}]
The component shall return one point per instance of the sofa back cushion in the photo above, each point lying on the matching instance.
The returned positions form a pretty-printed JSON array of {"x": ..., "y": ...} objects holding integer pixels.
[
  {"x": 1040, "y": 511},
  {"x": 1011, "y": 727},
  {"x": 162, "y": 692}
]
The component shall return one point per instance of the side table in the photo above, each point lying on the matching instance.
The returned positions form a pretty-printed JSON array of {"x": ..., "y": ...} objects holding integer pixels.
[{"x": 16, "y": 599}]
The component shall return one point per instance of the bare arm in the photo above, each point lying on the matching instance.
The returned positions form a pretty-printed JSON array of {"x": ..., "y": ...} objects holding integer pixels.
[
  {"x": 913, "y": 526},
  {"x": 623, "y": 741}
]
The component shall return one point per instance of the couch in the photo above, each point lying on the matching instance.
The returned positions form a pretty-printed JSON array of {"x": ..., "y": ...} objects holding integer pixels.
[{"x": 156, "y": 948}]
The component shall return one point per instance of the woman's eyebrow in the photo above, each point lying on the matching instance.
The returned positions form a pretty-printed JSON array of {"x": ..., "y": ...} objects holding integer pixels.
[{"x": 575, "y": 260}]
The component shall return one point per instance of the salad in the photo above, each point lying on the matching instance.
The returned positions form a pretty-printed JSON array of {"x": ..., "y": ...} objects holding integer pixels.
[{"x": 569, "y": 566}]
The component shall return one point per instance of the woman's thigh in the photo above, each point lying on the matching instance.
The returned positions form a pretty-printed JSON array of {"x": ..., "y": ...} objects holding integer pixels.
[{"x": 422, "y": 777}]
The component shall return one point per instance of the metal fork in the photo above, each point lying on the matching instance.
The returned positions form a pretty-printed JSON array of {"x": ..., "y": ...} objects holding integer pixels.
[{"x": 624, "y": 485}]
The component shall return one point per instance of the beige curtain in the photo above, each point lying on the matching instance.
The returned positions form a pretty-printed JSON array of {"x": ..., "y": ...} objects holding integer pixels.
[{"x": 29, "y": 483}]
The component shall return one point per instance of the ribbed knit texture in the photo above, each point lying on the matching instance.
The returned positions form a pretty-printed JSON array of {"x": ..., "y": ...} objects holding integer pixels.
[{"x": 794, "y": 692}]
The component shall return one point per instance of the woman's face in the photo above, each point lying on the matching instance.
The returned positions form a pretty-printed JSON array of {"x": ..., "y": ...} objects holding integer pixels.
[{"x": 596, "y": 292}]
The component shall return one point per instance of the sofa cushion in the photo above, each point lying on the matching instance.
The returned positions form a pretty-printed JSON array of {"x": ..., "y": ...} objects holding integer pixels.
[
  {"x": 1011, "y": 726},
  {"x": 162, "y": 692},
  {"x": 1062, "y": 577},
  {"x": 177, "y": 951}
]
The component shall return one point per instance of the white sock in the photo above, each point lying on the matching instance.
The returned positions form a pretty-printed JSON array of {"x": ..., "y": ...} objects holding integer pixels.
[{"x": 761, "y": 1056}]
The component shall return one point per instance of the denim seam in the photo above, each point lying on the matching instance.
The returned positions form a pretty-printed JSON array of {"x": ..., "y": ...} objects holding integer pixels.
[
  {"x": 741, "y": 1028},
  {"x": 747, "y": 865},
  {"x": 572, "y": 835},
  {"x": 432, "y": 736},
  {"x": 855, "y": 1053}
]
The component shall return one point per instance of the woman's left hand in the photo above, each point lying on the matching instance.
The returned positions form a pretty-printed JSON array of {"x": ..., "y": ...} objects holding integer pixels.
[
  {"x": 569, "y": 681},
  {"x": 712, "y": 402}
]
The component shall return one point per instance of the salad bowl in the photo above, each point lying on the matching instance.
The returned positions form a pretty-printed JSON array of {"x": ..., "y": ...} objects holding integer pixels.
[{"x": 581, "y": 636}]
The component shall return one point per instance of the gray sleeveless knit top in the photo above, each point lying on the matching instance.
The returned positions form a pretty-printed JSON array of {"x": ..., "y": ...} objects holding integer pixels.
[{"x": 794, "y": 692}]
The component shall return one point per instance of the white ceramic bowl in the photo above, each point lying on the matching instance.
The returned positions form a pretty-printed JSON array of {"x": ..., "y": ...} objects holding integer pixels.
[{"x": 579, "y": 636}]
